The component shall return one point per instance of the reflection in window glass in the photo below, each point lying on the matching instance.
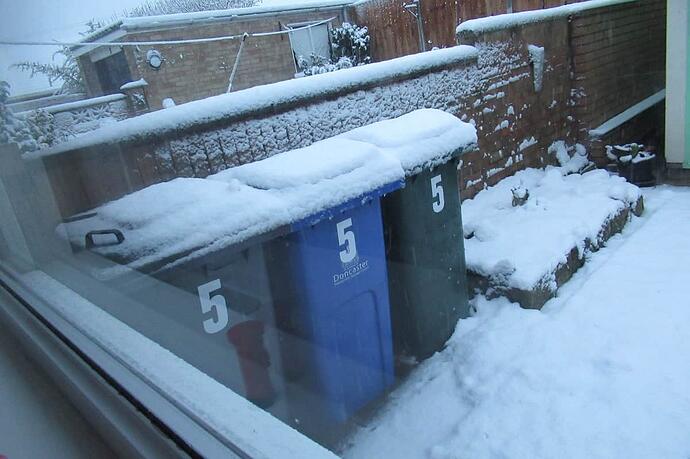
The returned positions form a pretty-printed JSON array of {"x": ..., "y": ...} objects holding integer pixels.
[{"x": 300, "y": 241}]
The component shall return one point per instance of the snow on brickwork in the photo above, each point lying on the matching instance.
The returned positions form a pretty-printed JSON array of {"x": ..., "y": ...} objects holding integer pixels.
[
  {"x": 80, "y": 120},
  {"x": 245, "y": 141}
]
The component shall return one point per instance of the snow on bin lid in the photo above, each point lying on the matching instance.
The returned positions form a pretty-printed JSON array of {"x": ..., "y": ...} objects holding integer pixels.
[
  {"x": 323, "y": 160},
  {"x": 179, "y": 218},
  {"x": 420, "y": 139}
]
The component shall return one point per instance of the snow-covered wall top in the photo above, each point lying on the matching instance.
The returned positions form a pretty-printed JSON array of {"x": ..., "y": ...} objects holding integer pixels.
[
  {"x": 83, "y": 104},
  {"x": 242, "y": 104},
  {"x": 167, "y": 20},
  {"x": 193, "y": 216},
  {"x": 507, "y": 21}
]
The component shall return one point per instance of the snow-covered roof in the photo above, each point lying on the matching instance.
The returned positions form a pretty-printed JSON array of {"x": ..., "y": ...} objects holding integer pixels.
[
  {"x": 100, "y": 33},
  {"x": 189, "y": 217},
  {"x": 168, "y": 20},
  {"x": 506, "y": 21},
  {"x": 174, "y": 20},
  {"x": 239, "y": 104}
]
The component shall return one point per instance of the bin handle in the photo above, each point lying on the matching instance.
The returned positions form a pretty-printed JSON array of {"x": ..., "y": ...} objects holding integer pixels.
[{"x": 90, "y": 243}]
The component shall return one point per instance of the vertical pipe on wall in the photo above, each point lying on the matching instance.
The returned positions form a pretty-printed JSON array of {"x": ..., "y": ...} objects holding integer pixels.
[
  {"x": 420, "y": 27},
  {"x": 677, "y": 50}
]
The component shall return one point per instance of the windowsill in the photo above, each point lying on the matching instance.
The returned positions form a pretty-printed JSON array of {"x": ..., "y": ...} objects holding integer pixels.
[{"x": 208, "y": 416}]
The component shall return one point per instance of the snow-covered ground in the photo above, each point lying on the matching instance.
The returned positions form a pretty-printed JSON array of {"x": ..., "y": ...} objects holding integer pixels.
[
  {"x": 603, "y": 371},
  {"x": 523, "y": 245}
]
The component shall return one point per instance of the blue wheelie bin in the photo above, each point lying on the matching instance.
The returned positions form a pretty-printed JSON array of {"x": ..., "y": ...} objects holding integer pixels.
[{"x": 341, "y": 305}]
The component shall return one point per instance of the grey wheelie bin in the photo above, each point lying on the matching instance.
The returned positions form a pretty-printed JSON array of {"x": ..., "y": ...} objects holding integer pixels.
[{"x": 205, "y": 287}]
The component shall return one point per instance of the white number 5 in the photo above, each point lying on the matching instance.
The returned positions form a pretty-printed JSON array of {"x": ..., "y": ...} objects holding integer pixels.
[
  {"x": 214, "y": 303},
  {"x": 437, "y": 192},
  {"x": 346, "y": 240}
]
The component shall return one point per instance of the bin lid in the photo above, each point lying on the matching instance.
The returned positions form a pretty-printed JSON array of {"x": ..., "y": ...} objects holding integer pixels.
[
  {"x": 182, "y": 218},
  {"x": 420, "y": 139}
]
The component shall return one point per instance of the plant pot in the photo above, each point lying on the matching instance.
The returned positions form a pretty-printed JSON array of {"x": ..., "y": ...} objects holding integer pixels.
[{"x": 640, "y": 170}]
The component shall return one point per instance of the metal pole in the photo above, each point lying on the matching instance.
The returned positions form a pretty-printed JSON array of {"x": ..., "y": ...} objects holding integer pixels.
[
  {"x": 420, "y": 27},
  {"x": 237, "y": 61}
]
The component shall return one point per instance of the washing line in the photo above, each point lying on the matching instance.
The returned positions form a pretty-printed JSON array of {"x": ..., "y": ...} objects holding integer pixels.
[{"x": 162, "y": 42}]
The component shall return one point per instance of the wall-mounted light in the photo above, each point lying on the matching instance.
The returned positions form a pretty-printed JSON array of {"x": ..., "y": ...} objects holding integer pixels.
[{"x": 154, "y": 58}]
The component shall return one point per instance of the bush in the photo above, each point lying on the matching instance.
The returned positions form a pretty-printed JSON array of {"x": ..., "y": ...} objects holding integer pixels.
[
  {"x": 349, "y": 48},
  {"x": 13, "y": 129}
]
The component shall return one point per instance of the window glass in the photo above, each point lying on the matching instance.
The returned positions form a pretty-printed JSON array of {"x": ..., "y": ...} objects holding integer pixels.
[
  {"x": 113, "y": 72},
  {"x": 310, "y": 43},
  {"x": 293, "y": 264}
]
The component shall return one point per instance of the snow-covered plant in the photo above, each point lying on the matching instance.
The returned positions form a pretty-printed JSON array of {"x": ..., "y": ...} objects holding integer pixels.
[
  {"x": 520, "y": 195},
  {"x": 316, "y": 65},
  {"x": 351, "y": 41},
  {"x": 623, "y": 153},
  {"x": 349, "y": 48},
  {"x": 61, "y": 70},
  {"x": 41, "y": 124},
  {"x": 13, "y": 129}
]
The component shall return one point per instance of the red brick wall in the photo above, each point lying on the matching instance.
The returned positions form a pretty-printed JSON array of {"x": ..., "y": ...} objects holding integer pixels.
[
  {"x": 618, "y": 58},
  {"x": 196, "y": 71},
  {"x": 542, "y": 115}
]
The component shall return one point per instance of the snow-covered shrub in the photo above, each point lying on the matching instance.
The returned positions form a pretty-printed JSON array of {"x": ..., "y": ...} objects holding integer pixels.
[
  {"x": 352, "y": 42},
  {"x": 13, "y": 129},
  {"x": 520, "y": 195},
  {"x": 572, "y": 159},
  {"x": 41, "y": 124},
  {"x": 631, "y": 152},
  {"x": 320, "y": 64},
  {"x": 349, "y": 48}
]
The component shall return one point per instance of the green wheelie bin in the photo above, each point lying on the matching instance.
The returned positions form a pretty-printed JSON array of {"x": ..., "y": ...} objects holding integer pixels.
[
  {"x": 426, "y": 259},
  {"x": 423, "y": 227}
]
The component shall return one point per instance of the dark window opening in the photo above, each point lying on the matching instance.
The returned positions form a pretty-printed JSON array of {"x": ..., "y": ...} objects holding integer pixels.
[{"x": 113, "y": 72}]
